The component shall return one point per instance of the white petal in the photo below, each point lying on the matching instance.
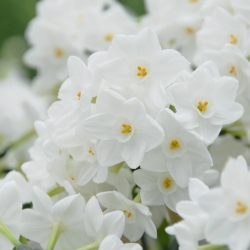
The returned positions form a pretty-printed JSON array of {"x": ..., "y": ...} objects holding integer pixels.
[
  {"x": 133, "y": 152},
  {"x": 196, "y": 189},
  {"x": 109, "y": 101},
  {"x": 200, "y": 83},
  {"x": 118, "y": 72},
  {"x": 94, "y": 217},
  {"x": 69, "y": 210},
  {"x": 155, "y": 160},
  {"x": 226, "y": 114},
  {"x": 152, "y": 197},
  {"x": 109, "y": 152},
  {"x": 87, "y": 173},
  {"x": 145, "y": 179},
  {"x": 168, "y": 66},
  {"x": 41, "y": 202},
  {"x": 181, "y": 170},
  {"x": 78, "y": 71},
  {"x": 100, "y": 126},
  {"x": 113, "y": 223}
]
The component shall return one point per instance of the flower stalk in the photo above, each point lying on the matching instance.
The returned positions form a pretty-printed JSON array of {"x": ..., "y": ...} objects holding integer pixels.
[
  {"x": 9, "y": 235},
  {"x": 56, "y": 231},
  {"x": 211, "y": 247},
  {"x": 93, "y": 246}
]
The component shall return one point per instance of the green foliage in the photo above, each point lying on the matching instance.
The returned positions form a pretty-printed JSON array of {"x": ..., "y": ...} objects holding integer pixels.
[
  {"x": 137, "y": 6},
  {"x": 14, "y": 17}
]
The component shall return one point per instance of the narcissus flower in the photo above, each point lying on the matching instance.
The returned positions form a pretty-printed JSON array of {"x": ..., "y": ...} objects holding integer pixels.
[{"x": 125, "y": 130}]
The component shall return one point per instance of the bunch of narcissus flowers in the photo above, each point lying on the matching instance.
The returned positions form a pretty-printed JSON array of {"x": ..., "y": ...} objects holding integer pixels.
[
  {"x": 138, "y": 132},
  {"x": 134, "y": 117}
]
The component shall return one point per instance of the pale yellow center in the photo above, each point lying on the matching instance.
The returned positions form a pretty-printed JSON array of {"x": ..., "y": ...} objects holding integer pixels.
[
  {"x": 240, "y": 207},
  {"x": 58, "y": 52},
  {"x": 79, "y": 95},
  {"x": 128, "y": 214},
  {"x": 232, "y": 71},
  {"x": 193, "y": 1},
  {"x": 174, "y": 144},
  {"x": 91, "y": 151},
  {"x": 109, "y": 37},
  {"x": 142, "y": 71},
  {"x": 167, "y": 182},
  {"x": 189, "y": 30},
  {"x": 202, "y": 106},
  {"x": 233, "y": 39},
  {"x": 126, "y": 129}
]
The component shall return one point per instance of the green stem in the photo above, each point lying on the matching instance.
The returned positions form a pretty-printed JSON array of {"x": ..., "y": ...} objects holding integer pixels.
[
  {"x": 137, "y": 198},
  {"x": 237, "y": 132},
  {"x": 93, "y": 246},
  {"x": 19, "y": 140},
  {"x": 211, "y": 247},
  {"x": 55, "y": 191},
  {"x": 9, "y": 235},
  {"x": 56, "y": 231}
]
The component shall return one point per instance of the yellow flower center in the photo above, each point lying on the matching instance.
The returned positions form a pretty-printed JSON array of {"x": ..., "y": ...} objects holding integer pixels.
[
  {"x": 109, "y": 37},
  {"x": 142, "y": 71},
  {"x": 174, "y": 144},
  {"x": 241, "y": 207},
  {"x": 202, "y": 106},
  {"x": 189, "y": 30},
  {"x": 58, "y": 52},
  {"x": 232, "y": 71},
  {"x": 193, "y": 1},
  {"x": 91, "y": 151},
  {"x": 79, "y": 95},
  {"x": 167, "y": 182},
  {"x": 128, "y": 214},
  {"x": 126, "y": 129},
  {"x": 233, "y": 39}
]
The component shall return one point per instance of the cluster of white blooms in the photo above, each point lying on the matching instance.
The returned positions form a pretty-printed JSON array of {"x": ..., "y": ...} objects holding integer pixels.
[
  {"x": 137, "y": 128},
  {"x": 71, "y": 27},
  {"x": 20, "y": 106}
]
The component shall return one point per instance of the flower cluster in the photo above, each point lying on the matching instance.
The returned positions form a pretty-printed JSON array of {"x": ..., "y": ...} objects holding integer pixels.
[{"x": 136, "y": 128}]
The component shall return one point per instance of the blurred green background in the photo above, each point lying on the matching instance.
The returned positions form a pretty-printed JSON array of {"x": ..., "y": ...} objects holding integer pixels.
[{"x": 15, "y": 15}]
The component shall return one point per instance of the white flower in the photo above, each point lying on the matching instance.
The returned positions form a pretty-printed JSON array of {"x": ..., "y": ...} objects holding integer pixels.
[
  {"x": 228, "y": 207},
  {"x": 181, "y": 153},
  {"x": 125, "y": 131},
  {"x": 101, "y": 27},
  {"x": 10, "y": 214},
  {"x": 230, "y": 62},
  {"x": 222, "y": 28},
  {"x": 192, "y": 228},
  {"x": 159, "y": 189},
  {"x": 52, "y": 48},
  {"x": 138, "y": 217},
  {"x": 65, "y": 218},
  {"x": 112, "y": 242},
  {"x": 139, "y": 61},
  {"x": 99, "y": 226},
  {"x": 205, "y": 103}
]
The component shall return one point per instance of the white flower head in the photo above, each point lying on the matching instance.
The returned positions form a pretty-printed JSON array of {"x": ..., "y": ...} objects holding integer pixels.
[
  {"x": 205, "y": 103},
  {"x": 140, "y": 61},
  {"x": 181, "y": 153},
  {"x": 137, "y": 216},
  {"x": 125, "y": 130}
]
